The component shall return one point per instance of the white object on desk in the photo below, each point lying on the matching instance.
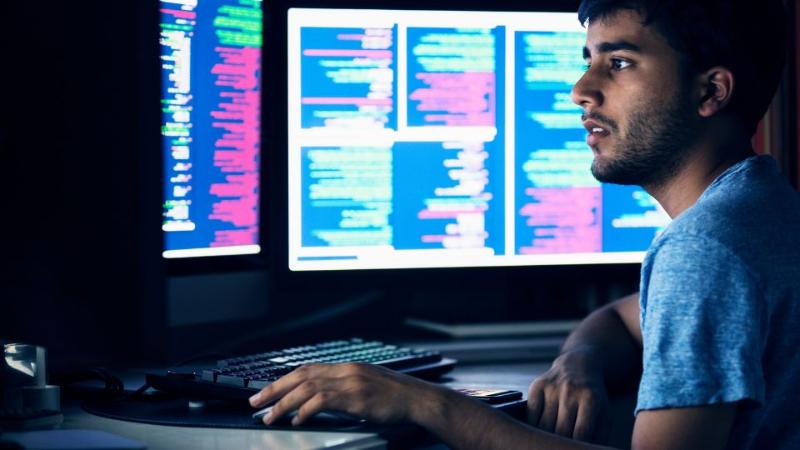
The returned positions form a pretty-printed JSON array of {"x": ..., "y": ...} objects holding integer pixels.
[{"x": 72, "y": 440}]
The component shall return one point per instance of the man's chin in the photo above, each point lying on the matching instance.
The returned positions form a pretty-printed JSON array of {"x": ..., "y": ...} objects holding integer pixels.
[
  {"x": 599, "y": 168},
  {"x": 599, "y": 174},
  {"x": 606, "y": 172}
]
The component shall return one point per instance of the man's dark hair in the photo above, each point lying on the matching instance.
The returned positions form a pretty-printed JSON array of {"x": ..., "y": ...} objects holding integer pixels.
[{"x": 747, "y": 37}]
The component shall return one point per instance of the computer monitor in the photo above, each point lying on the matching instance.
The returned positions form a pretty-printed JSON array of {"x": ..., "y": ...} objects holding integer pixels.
[
  {"x": 426, "y": 139},
  {"x": 211, "y": 126}
]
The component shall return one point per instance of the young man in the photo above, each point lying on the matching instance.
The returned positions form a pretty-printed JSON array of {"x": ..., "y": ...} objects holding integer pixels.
[{"x": 671, "y": 96}]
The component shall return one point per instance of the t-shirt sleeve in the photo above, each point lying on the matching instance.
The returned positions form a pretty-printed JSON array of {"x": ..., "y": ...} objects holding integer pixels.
[{"x": 703, "y": 327}]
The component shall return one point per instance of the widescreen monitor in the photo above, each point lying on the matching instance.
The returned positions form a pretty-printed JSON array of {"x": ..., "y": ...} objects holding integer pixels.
[
  {"x": 211, "y": 126},
  {"x": 422, "y": 139}
]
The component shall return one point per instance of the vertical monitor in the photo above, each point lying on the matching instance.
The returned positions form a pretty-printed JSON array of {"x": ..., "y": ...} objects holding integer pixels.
[
  {"x": 211, "y": 130},
  {"x": 421, "y": 139}
]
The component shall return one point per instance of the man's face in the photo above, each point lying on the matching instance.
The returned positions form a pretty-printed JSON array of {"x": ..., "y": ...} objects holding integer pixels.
[{"x": 638, "y": 107}]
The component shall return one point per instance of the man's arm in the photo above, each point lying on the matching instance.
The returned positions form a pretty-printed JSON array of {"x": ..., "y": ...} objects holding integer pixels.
[
  {"x": 384, "y": 396},
  {"x": 605, "y": 349},
  {"x": 701, "y": 428},
  {"x": 461, "y": 422}
]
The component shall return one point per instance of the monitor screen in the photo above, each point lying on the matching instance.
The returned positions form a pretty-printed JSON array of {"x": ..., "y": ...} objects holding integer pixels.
[
  {"x": 422, "y": 139},
  {"x": 211, "y": 126}
]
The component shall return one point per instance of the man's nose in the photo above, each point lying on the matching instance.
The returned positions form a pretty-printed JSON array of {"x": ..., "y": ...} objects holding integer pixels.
[{"x": 586, "y": 91}]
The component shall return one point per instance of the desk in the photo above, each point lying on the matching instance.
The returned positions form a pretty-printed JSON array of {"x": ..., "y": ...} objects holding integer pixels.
[
  {"x": 497, "y": 375},
  {"x": 157, "y": 437}
]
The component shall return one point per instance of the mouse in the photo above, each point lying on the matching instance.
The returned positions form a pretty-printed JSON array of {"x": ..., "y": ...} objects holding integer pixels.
[{"x": 327, "y": 417}]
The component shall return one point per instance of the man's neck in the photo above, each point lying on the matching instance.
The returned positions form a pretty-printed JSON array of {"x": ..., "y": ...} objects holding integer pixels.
[{"x": 697, "y": 172}]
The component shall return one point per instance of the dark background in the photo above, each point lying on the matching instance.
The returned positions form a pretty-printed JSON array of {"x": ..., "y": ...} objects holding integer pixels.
[
  {"x": 79, "y": 164},
  {"x": 81, "y": 210}
]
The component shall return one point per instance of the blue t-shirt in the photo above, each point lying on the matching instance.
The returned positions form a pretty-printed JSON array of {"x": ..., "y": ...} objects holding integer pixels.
[{"x": 720, "y": 302}]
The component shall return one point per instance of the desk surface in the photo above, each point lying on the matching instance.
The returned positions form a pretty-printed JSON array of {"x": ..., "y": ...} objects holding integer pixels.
[
  {"x": 158, "y": 437},
  {"x": 508, "y": 376}
]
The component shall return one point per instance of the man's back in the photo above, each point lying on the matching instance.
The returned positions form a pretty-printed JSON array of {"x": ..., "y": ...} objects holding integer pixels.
[{"x": 721, "y": 306}]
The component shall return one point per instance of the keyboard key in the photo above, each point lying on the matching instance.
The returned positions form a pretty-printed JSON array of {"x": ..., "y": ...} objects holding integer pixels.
[
  {"x": 232, "y": 380},
  {"x": 259, "y": 384},
  {"x": 209, "y": 375}
]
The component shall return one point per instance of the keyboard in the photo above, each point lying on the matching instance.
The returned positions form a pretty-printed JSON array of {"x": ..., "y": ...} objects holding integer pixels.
[{"x": 239, "y": 378}]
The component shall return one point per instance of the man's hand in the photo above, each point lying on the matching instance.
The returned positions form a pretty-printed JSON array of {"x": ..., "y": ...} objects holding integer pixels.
[
  {"x": 380, "y": 395},
  {"x": 569, "y": 398},
  {"x": 362, "y": 390}
]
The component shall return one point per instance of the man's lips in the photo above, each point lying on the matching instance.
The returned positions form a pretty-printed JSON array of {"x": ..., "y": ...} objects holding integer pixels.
[{"x": 596, "y": 132}]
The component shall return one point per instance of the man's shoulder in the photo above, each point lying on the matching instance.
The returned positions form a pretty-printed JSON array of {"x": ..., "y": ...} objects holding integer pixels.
[
  {"x": 728, "y": 250},
  {"x": 749, "y": 210},
  {"x": 719, "y": 296},
  {"x": 752, "y": 191}
]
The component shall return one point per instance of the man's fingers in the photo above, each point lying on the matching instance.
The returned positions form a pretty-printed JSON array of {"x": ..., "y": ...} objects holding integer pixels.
[
  {"x": 275, "y": 390},
  {"x": 535, "y": 403},
  {"x": 547, "y": 421},
  {"x": 298, "y": 397},
  {"x": 567, "y": 411},
  {"x": 586, "y": 421},
  {"x": 285, "y": 384},
  {"x": 320, "y": 400}
]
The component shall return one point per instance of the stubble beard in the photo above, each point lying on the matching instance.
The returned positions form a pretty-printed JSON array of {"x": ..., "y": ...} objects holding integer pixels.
[{"x": 654, "y": 147}]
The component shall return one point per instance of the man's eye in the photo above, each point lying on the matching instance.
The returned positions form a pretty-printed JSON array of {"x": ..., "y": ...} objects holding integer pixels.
[{"x": 619, "y": 64}]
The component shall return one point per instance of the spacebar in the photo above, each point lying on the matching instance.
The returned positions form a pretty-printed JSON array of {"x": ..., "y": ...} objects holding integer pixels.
[
  {"x": 231, "y": 380},
  {"x": 409, "y": 361}
]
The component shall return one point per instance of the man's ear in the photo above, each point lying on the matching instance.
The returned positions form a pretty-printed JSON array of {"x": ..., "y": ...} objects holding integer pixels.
[{"x": 717, "y": 85}]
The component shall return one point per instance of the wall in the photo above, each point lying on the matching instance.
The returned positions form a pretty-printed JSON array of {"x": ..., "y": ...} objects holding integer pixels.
[{"x": 78, "y": 182}]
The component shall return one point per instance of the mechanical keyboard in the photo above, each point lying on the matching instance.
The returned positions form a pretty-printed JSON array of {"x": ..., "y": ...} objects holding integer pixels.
[{"x": 238, "y": 378}]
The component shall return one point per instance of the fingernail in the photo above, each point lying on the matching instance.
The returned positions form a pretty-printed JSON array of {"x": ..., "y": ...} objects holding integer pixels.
[
  {"x": 267, "y": 417},
  {"x": 295, "y": 420},
  {"x": 254, "y": 399}
]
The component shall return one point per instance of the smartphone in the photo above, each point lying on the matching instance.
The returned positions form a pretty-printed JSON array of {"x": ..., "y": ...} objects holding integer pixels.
[{"x": 491, "y": 396}]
